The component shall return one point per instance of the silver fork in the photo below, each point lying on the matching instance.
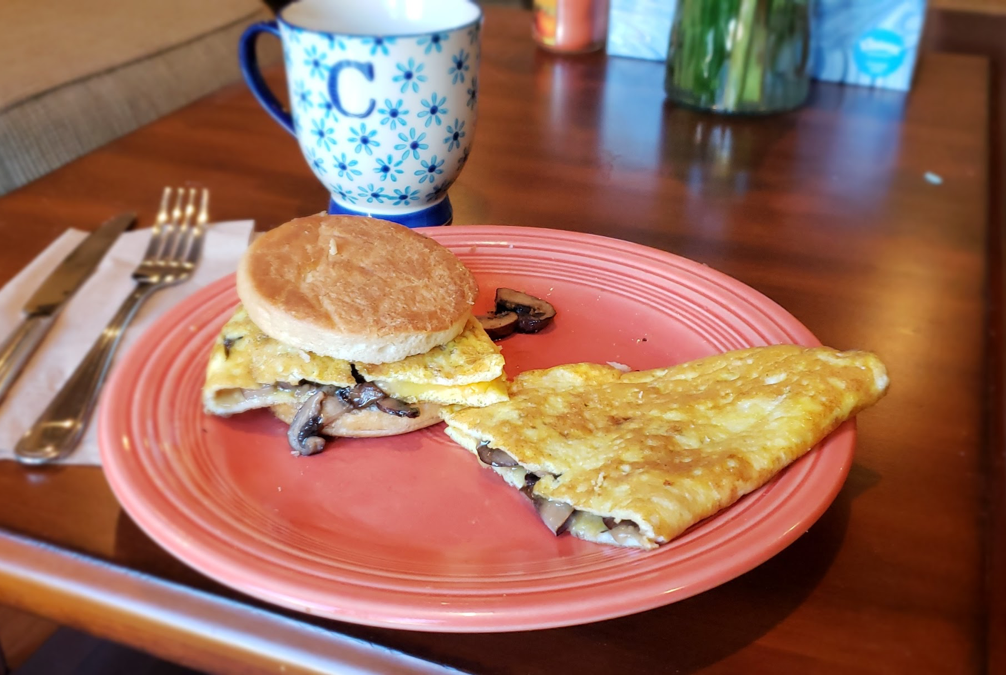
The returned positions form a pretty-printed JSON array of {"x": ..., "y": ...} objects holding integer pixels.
[{"x": 174, "y": 250}]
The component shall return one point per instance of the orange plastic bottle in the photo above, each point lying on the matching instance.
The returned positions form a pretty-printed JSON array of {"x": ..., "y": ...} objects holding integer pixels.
[{"x": 570, "y": 26}]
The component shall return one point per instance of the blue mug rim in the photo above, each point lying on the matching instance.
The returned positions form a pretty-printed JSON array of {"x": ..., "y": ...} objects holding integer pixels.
[{"x": 293, "y": 26}]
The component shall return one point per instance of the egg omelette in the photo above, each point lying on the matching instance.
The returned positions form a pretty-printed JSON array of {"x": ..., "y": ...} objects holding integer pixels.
[
  {"x": 248, "y": 369},
  {"x": 637, "y": 458}
]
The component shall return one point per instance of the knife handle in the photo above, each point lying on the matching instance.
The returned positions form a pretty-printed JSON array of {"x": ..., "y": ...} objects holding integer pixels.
[
  {"x": 58, "y": 430},
  {"x": 18, "y": 348}
]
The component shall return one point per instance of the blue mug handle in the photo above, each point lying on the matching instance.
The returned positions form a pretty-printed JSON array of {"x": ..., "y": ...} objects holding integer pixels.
[{"x": 253, "y": 75}]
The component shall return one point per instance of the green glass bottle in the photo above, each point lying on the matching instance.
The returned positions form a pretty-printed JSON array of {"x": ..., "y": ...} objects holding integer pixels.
[{"x": 739, "y": 56}]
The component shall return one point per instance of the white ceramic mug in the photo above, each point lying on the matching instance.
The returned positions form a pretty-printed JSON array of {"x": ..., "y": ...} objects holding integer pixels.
[{"x": 383, "y": 96}]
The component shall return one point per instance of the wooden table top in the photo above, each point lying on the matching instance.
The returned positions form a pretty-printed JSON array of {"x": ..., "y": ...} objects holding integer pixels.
[{"x": 826, "y": 210}]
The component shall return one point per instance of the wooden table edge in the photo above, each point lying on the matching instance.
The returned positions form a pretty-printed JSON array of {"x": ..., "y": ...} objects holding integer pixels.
[{"x": 186, "y": 626}]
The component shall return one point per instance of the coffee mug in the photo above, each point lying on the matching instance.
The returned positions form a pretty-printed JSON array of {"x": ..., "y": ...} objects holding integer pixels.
[{"x": 383, "y": 96}]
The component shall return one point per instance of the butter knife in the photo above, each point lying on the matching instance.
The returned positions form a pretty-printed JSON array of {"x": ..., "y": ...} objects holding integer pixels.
[{"x": 43, "y": 307}]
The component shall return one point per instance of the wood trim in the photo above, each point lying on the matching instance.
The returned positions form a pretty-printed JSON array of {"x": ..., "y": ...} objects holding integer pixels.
[
  {"x": 995, "y": 560},
  {"x": 180, "y": 624},
  {"x": 964, "y": 32},
  {"x": 971, "y": 6}
]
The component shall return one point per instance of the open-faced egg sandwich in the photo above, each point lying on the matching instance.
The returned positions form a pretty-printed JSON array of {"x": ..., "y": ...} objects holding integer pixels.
[{"x": 351, "y": 326}]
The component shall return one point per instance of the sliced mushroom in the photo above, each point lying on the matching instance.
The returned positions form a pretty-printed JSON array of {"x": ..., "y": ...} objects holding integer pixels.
[
  {"x": 228, "y": 343},
  {"x": 493, "y": 456},
  {"x": 529, "y": 480},
  {"x": 303, "y": 433},
  {"x": 554, "y": 514},
  {"x": 533, "y": 314},
  {"x": 393, "y": 406},
  {"x": 626, "y": 533},
  {"x": 362, "y": 395},
  {"x": 332, "y": 408},
  {"x": 535, "y": 322},
  {"x": 499, "y": 325}
]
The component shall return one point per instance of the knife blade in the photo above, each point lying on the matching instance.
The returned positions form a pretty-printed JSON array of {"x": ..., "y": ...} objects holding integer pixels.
[{"x": 44, "y": 305}]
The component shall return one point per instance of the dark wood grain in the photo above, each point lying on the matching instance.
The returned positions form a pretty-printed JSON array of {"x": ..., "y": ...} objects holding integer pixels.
[
  {"x": 971, "y": 33},
  {"x": 826, "y": 210}
]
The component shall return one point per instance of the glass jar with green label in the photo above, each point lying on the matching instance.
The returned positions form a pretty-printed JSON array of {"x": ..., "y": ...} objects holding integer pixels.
[{"x": 739, "y": 56}]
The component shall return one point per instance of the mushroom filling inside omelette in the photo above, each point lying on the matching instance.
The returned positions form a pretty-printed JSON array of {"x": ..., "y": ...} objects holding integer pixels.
[
  {"x": 559, "y": 516},
  {"x": 636, "y": 458}
]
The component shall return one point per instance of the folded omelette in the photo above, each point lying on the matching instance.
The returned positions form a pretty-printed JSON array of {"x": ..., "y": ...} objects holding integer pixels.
[{"x": 636, "y": 458}]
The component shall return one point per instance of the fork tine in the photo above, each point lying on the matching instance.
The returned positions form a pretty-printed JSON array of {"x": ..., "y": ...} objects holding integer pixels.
[
  {"x": 184, "y": 228},
  {"x": 204, "y": 208},
  {"x": 197, "y": 232},
  {"x": 170, "y": 228},
  {"x": 156, "y": 238}
]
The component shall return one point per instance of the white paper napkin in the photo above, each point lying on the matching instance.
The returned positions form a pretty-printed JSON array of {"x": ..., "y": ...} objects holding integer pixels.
[{"x": 86, "y": 315}]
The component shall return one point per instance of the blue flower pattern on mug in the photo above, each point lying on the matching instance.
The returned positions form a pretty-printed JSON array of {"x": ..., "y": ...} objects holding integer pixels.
[
  {"x": 434, "y": 109},
  {"x": 345, "y": 194},
  {"x": 327, "y": 108},
  {"x": 324, "y": 127},
  {"x": 411, "y": 143},
  {"x": 431, "y": 169},
  {"x": 324, "y": 134},
  {"x": 379, "y": 44},
  {"x": 388, "y": 168},
  {"x": 436, "y": 193},
  {"x": 455, "y": 133},
  {"x": 394, "y": 114},
  {"x": 434, "y": 41},
  {"x": 459, "y": 66},
  {"x": 407, "y": 195},
  {"x": 473, "y": 93},
  {"x": 316, "y": 162},
  {"x": 410, "y": 75},
  {"x": 364, "y": 139},
  {"x": 315, "y": 62},
  {"x": 301, "y": 94},
  {"x": 463, "y": 159},
  {"x": 345, "y": 167},
  {"x": 372, "y": 194}
]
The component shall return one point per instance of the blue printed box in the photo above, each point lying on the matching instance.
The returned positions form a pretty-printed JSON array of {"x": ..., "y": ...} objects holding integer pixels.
[
  {"x": 640, "y": 29},
  {"x": 867, "y": 42}
]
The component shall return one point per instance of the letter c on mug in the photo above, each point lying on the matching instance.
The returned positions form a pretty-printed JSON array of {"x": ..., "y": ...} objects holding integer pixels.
[{"x": 333, "y": 85}]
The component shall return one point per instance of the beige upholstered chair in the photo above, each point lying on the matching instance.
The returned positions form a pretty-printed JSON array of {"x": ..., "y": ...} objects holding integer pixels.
[{"x": 75, "y": 74}]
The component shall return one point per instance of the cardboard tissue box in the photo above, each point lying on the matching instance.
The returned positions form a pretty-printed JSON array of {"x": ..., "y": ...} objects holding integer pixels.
[
  {"x": 864, "y": 42},
  {"x": 867, "y": 42},
  {"x": 640, "y": 29}
]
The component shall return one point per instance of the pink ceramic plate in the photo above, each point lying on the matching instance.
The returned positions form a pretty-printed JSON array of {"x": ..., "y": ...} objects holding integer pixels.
[{"x": 410, "y": 532}]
